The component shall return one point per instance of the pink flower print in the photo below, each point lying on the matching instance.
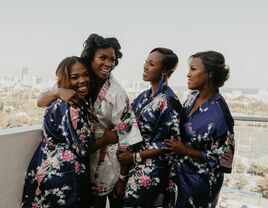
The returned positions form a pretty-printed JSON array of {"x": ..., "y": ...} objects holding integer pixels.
[
  {"x": 82, "y": 138},
  {"x": 163, "y": 105},
  {"x": 170, "y": 183},
  {"x": 76, "y": 167},
  {"x": 104, "y": 90},
  {"x": 40, "y": 175},
  {"x": 122, "y": 126},
  {"x": 35, "y": 205},
  {"x": 133, "y": 186},
  {"x": 149, "y": 162},
  {"x": 145, "y": 181},
  {"x": 74, "y": 114},
  {"x": 129, "y": 108},
  {"x": 67, "y": 156}
]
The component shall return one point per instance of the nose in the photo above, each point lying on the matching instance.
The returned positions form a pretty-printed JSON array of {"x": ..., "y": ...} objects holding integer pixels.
[
  {"x": 189, "y": 74},
  {"x": 83, "y": 79},
  {"x": 145, "y": 66},
  {"x": 109, "y": 63}
]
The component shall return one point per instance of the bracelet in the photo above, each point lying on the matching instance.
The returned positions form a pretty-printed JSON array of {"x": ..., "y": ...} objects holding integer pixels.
[{"x": 123, "y": 177}]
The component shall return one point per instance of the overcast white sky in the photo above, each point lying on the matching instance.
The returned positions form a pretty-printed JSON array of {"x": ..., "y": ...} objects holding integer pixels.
[{"x": 38, "y": 34}]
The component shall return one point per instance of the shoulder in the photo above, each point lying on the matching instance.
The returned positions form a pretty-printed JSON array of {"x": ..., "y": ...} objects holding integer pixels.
[
  {"x": 140, "y": 97},
  {"x": 222, "y": 113},
  {"x": 190, "y": 98},
  {"x": 57, "y": 106},
  {"x": 116, "y": 87},
  {"x": 172, "y": 99}
]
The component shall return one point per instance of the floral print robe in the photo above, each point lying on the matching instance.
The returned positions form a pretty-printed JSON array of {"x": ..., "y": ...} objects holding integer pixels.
[
  {"x": 112, "y": 108},
  {"x": 210, "y": 130},
  {"x": 58, "y": 175},
  {"x": 158, "y": 119}
]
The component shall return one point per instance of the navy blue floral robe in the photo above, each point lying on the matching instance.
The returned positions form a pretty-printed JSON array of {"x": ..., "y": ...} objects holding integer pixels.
[
  {"x": 58, "y": 175},
  {"x": 158, "y": 119},
  {"x": 210, "y": 130}
]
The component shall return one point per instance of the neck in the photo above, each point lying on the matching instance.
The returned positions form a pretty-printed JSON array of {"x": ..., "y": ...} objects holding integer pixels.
[
  {"x": 154, "y": 87},
  {"x": 205, "y": 94},
  {"x": 99, "y": 82}
]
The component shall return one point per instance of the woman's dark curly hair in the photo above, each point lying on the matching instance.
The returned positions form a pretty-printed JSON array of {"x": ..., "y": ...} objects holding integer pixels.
[
  {"x": 215, "y": 66},
  {"x": 95, "y": 42}
]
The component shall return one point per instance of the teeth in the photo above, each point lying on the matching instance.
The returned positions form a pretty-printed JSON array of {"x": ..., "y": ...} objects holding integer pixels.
[
  {"x": 106, "y": 70},
  {"x": 84, "y": 88}
]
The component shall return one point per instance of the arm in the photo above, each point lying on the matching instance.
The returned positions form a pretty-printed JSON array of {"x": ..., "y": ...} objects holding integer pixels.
[
  {"x": 46, "y": 98},
  {"x": 119, "y": 188},
  {"x": 223, "y": 154},
  {"x": 109, "y": 137},
  {"x": 178, "y": 147},
  {"x": 67, "y": 95},
  {"x": 126, "y": 156}
]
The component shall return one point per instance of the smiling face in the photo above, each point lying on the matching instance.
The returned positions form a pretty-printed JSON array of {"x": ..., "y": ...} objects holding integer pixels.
[
  {"x": 79, "y": 79},
  {"x": 197, "y": 75},
  {"x": 103, "y": 62},
  {"x": 153, "y": 67}
]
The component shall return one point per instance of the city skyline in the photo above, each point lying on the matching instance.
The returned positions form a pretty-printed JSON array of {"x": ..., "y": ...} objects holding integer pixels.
[{"x": 38, "y": 35}]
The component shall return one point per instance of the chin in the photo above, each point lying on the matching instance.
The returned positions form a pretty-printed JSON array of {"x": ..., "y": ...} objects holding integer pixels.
[
  {"x": 190, "y": 87},
  {"x": 145, "y": 79}
]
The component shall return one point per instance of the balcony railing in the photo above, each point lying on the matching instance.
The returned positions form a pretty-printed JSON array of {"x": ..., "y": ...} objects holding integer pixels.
[{"x": 245, "y": 187}]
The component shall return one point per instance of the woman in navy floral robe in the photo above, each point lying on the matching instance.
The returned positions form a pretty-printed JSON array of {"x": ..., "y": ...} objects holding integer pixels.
[
  {"x": 157, "y": 111},
  {"x": 206, "y": 148},
  {"x": 58, "y": 173}
]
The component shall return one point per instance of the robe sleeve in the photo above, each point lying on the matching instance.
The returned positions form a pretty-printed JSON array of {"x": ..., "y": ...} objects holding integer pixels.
[
  {"x": 168, "y": 124},
  {"x": 68, "y": 125},
  {"x": 125, "y": 122},
  {"x": 223, "y": 152}
]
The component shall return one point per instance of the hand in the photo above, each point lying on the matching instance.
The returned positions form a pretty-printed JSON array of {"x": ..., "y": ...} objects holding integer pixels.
[
  {"x": 176, "y": 146},
  {"x": 125, "y": 156},
  {"x": 70, "y": 96},
  {"x": 110, "y": 137},
  {"x": 119, "y": 188}
]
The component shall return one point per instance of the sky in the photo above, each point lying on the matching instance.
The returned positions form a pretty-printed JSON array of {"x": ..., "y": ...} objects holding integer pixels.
[{"x": 38, "y": 34}]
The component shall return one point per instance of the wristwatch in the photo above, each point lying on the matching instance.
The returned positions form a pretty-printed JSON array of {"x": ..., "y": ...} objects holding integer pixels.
[{"x": 138, "y": 157}]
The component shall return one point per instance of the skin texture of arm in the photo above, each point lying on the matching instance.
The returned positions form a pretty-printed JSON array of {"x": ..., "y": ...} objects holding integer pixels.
[
  {"x": 126, "y": 156},
  {"x": 109, "y": 137},
  {"x": 67, "y": 95},
  {"x": 177, "y": 147}
]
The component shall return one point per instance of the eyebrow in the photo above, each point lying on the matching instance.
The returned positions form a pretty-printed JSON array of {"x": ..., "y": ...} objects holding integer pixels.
[
  {"x": 153, "y": 62},
  {"x": 102, "y": 54},
  {"x": 75, "y": 73}
]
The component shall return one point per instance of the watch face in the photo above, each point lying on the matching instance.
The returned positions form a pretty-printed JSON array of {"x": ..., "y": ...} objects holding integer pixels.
[{"x": 138, "y": 157}]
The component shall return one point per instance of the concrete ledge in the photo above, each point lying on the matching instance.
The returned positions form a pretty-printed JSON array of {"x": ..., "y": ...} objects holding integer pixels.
[{"x": 17, "y": 146}]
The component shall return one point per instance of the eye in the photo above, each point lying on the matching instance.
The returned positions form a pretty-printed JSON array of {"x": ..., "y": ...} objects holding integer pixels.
[
  {"x": 74, "y": 77},
  {"x": 192, "y": 68},
  {"x": 102, "y": 57}
]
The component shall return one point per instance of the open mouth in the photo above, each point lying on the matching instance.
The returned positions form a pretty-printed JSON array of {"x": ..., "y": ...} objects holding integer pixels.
[
  {"x": 82, "y": 89},
  {"x": 145, "y": 73},
  {"x": 106, "y": 70}
]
